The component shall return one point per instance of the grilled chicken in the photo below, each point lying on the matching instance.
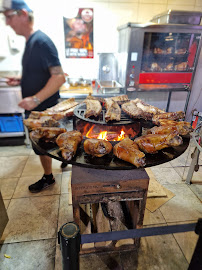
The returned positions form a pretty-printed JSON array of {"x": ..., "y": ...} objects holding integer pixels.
[
  {"x": 128, "y": 150},
  {"x": 97, "y": 147},
  {"x": 93, "y": 108},
  {"x": 45, "y": 121},
  {"x": 53, "y": 115},
  {"x": 162, "y": 130},
  {"x": 63, "y": 106},
  {"x": 152, "y": 143},
  {"x": 46, "y": 133},
  {"x": 68, "y": 143},
  {"x": 171, "y": 116},
  {"x": 113, "y": 110},
  {"x": 183, "y": 127},
  {"x": 139, "y": 109}
]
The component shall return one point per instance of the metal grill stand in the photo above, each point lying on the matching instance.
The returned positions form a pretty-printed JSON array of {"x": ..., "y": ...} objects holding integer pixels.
[{"x": 197, "y": 139}]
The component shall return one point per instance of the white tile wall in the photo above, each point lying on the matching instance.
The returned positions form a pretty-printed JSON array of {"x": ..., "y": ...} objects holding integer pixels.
[{"x": 108, "y": 15}]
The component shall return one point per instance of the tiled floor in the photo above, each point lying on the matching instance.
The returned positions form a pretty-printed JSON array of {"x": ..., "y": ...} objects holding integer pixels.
[{"x": 30, "y": 238}]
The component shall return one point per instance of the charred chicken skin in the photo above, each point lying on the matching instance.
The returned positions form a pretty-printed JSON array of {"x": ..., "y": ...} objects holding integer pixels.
[
  {"x": 46, "y": 133},
  {"x": 162, "y": 130},
  {"x": 93, "y": 108},
  {"x": 97, "y": 147},
  {"x": 152, "y": 143},
  {"x": 128, "y": 150},
  {"x": 171, "y": 116},
  {"x": 68, "y": 143},
  {"x": 139, "y": 109},
  {"x": 183, "y": 127},
  {"x": 113, "y": 111},
  {"x": 44, "y": 121}
]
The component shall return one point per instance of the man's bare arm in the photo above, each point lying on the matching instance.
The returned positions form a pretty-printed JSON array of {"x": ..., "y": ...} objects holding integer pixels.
[{"x": 53, "y": 84}]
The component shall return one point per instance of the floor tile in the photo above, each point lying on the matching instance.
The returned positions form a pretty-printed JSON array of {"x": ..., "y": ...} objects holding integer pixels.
[
  {"x": 24, "y": 182},
  {"x": 156, "y": 253},
  {"x": 106, "y": 261},
  {"x": 58, "y": 257},
  {"x": 8, "y": 186},
  {"x": 183, "y": 172},
  {"x": 32, "y": 219},
  {"x": 166, "y": 175},
  {"x": 182, "y": 159},
  {"x": 33, "y": 166},
  {"x": 8, "y": 151},
  {"x": 197, "y": 190},
  {"x": 12, "y": 166},
  {"x": 65, "y": 210},
  {"x": 66, "y": 178},
  {"x": 184, "y": 206},
  {"x": 6, "y": 203},
  {"x": 153, "y": 218},
  {"x": 187, "y": 241},
  {"x": 38, "y": 255}
]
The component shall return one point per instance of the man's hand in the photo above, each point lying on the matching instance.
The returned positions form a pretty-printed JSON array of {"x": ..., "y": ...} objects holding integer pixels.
[
  {"x": 13, "y": 81},
  {"x": 28, "y": 103}
]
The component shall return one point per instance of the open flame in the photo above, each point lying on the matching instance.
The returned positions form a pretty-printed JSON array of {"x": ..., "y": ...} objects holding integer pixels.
[{"x": 106, "y": 135}]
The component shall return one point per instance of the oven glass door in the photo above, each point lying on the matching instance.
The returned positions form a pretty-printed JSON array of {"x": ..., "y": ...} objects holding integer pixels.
[{"x": 168, "y": 57}]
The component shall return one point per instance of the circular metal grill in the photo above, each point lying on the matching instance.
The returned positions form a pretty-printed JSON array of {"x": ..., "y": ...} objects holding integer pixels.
[{"x": 80, "y": 110}]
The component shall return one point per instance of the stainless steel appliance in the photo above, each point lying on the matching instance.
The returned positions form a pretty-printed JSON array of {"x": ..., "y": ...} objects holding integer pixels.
[
  {"x": 10, "y": 96},
  {"x": 159, "y": 57}
]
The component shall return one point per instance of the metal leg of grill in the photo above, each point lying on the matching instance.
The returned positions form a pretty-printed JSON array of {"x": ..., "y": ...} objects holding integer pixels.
[{"x": 196, "y": 261}]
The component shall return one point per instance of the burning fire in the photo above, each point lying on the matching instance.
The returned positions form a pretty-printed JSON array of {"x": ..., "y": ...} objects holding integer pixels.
[{"x": 106, "y": 135}]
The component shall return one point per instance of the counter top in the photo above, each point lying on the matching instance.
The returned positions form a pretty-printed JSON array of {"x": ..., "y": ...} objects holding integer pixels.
[{"x": 82, "y": 92}]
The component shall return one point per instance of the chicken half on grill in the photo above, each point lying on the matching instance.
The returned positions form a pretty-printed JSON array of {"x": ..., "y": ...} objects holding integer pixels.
[
  {"x": 93, "y": 108},
  {"x": 45, "y": 121},
  {"x": 128, "y": 150},
  {"x": 97, "y": 147},
  {"x": 162, "y": 130},
  {"x": 139, "y": 109},
  {"x": 68, "y": 143},
  {"x": 152, "y": 143},
  {"x": 183, "y": 127},
  {"x": 170, "y": 115},
  {"x": 48, "y": 134},
  {"x": 113, "y": 112}
]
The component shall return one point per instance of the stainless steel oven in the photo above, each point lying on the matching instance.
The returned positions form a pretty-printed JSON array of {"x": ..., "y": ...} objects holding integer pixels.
[{"x": 159, "y": 57}]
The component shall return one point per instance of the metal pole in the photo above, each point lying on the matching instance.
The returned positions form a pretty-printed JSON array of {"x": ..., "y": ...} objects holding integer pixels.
[
  {"x": 196, "y": 261},
  {"x": 69, "y": 239}
]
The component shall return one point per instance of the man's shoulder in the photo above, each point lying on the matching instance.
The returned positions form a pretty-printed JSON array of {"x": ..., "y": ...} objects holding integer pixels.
[{"x": 41, "y": 37}]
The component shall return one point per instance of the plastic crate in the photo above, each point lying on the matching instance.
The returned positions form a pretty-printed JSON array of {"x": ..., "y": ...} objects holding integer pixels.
[{"x": 11, "y": 123}]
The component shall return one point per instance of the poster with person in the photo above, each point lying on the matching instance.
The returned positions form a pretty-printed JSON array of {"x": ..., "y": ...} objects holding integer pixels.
[{"x": 78, "y": 33}]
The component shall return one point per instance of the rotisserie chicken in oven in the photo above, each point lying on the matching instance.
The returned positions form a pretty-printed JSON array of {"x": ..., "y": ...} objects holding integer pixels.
[
  {"x": 68, "y": 143},
  {"x": 97, "y": 147},
  {"x": 128, "y": 150},
  {"x": 152, "y": 143},
  {"x": 169, "y": 115},
  {"x": 183, "y": 127}
]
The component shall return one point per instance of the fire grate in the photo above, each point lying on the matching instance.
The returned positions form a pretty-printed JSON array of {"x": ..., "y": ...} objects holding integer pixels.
[{"x": 80, "y": 110}]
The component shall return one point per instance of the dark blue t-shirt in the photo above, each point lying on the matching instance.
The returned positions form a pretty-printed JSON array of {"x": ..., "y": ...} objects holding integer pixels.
[{"x": 40, "y": 54}]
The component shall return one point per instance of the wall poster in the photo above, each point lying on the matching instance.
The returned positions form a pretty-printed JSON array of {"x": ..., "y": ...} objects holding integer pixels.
[{"x": 78, "y": 33}]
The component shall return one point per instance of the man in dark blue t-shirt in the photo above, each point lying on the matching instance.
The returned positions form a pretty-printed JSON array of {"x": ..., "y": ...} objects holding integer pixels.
[{"x": 42, "y": 74}]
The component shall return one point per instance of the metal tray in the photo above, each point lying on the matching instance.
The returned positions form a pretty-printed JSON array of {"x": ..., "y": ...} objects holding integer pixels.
[{"x": 109, "y": 86}]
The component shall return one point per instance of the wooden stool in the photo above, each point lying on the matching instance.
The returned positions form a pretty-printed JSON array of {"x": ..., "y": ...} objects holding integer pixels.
[{"x": 91, "y": 186}]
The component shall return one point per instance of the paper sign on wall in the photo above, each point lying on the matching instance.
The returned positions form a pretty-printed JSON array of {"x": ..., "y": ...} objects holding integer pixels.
[{"x": 78, "y": 33}]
